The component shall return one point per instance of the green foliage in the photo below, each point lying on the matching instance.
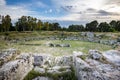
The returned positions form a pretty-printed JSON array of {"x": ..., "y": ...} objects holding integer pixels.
[
  {"x": 65, "y": 76},
  {"x": 28, "y": 23},
  {"x": 76, "y": 28},
  {"x": 6, "y": 23},
  {"x": 83, "y": 57},
  {"x": 104, "y": 27},
  {"x": 92, "y": 26},
  {"x": 31, "y": 75},
  {"x": 62, "y": 69}
]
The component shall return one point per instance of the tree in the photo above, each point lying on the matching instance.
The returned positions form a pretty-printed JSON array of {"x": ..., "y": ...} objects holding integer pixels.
[
  {"x": 56, "y": 26},
  {"x": 23, "y": 23},
  {"x": 30, "y": 22},
  {"x": 0, "y": 23},
  {"x": 92, "y": 26},
  {"x": 26, "y": 23},
  {"x": 17, "y": 26},
  {"x": 118, "y": 26},
  {"x": 34, "y": 24},
  {"x": 113, "y": 23},
  {"x": 39, "y": 25},
  {"x": 6, "y": 23},
  {"x": 46, "y": 26},
  {"x": 76, "y": 28},
  {"x": 51, "y": 26},
  {"x": 104, "y": 27}
]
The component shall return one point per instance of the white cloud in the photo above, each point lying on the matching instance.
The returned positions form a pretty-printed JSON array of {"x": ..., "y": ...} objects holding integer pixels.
[
  {"x": 18, "y": 10},
  {"x": 14, "y": 11},
  {"x": 2, "y": 2},
  {"x": 78, "y": 5},
  {"x": 72, "y": 10},
  {"x": 48, "y": 11},
  {"x": 78, "y": 9}
]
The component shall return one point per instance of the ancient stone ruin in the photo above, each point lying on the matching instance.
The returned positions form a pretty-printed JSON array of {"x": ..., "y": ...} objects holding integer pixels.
[{"x": 95, "y": 65}]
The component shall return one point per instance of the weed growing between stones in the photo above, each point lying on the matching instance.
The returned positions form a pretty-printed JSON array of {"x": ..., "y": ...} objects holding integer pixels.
[
  {"x": 83, "y": 57},
  {"x": 31, "y": 75}
]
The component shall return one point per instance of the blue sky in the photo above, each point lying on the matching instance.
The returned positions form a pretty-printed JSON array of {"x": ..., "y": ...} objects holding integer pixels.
[{"x": 65, "y": 12}]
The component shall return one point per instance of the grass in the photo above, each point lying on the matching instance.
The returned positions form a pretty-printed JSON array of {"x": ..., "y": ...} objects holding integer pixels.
[
  {"x": 41, "y": 47},
  {"x": 31, "y": 75},
  {"x": 20, "y": 35}
]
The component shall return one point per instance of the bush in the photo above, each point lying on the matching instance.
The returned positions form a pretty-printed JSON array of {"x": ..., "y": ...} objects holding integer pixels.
[{"x": 31, "y": 75}]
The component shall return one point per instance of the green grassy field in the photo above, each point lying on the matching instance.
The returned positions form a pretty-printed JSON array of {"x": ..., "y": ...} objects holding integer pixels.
[{"x": 40, "y": 46}]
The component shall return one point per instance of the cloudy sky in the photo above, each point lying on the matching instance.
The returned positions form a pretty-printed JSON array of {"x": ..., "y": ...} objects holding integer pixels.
[{"x": 65, "y": 12}]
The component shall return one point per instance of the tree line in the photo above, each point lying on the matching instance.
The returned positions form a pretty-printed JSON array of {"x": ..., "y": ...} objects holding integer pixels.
[{"x": 28, "y": 23}]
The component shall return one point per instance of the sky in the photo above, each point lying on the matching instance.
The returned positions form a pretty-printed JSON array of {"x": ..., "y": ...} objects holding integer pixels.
[{"x": 65, "y": 12}]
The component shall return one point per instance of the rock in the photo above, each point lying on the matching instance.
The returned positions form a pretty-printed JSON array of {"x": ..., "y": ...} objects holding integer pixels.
[
  {"x": 82, "y": 69},
  {"x": 38, "y": 60},
  {"x": 42, "y": 78},
  {"x": 118, "y": 39},
  {"x": 83, "y": 33},
  {"x": 76, "y": 54},
  {"x": 92, "y": 69},
  {"x": 112, "y": 42},
  {"x": 90, "y": 36},
  {"x": 56, "y": 67},
  {"x": 63, "y": 61},
  {"x": 17, "y": 69},
  {"x": 105, "y": 70},
  {"x": 7, "y": 55},
  {"x": 106, "y": 42},
  {"x": 113, "y": 57},
  {"x": 94, "y": 54},
  {"x": 43, "y": 60},
  {"x": 40, "y": 70},
  {"x": 99, "y": 36},
  {"x": 51, "y": 45},
  {"x": 53, "y": 71},
  {"x": 65, "y": 45},
  {"x": 58, "y": 45},
  {"x": 59, "y": 69}
]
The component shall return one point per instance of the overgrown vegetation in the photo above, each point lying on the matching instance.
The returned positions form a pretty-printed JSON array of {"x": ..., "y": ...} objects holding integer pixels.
[{"x": 64, "y": 76}]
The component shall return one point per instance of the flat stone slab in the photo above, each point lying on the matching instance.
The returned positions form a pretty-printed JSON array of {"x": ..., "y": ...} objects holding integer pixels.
[{"x": 113, "y": 57}]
